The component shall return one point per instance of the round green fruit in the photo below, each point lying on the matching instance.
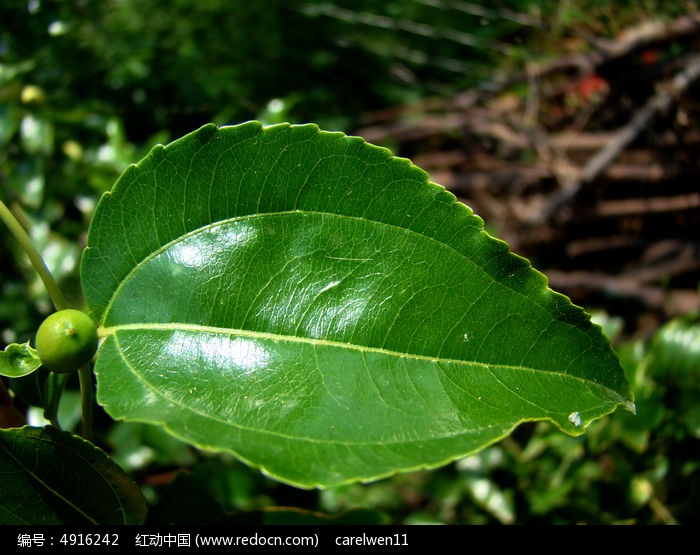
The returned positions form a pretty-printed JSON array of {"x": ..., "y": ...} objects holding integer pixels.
[{"x": 66, "y": 340}]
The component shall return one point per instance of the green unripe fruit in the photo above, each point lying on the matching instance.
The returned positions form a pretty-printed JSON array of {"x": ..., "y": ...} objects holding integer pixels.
[{"x": 66, "y": 340}]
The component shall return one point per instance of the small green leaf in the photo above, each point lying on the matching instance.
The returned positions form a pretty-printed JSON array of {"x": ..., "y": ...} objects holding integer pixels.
[
  {"x": 53, "y": 477},
  {"x": 317, "y": 307},
  {"x": 18, "y": 360}
]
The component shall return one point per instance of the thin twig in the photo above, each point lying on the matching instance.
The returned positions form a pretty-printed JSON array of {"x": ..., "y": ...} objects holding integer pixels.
[
  {"x": 34, "y": 256},
  {"x": 658, "y": 103}
]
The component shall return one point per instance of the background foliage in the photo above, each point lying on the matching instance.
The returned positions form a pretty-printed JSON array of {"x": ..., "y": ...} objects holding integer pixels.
[{"x": 87, "y": 87}]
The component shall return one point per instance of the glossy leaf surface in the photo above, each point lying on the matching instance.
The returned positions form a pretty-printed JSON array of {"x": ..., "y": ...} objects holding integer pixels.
[
  {"x": 53, "y": 477},
  {"x": 315, "y": 306},
  {"x": 18, "y": 360}
]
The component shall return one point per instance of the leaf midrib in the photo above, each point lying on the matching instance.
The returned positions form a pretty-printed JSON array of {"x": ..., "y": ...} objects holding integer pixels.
[
  {"x": 141, "y": 377},
  {"x": 105, "y": 332}
]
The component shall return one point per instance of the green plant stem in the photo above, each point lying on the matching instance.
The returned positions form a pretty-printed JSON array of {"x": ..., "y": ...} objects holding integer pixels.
[
  {"x": 662, "y": 512},
  {"x": 58, "y": 381},
  {"x": 54, "y": 388},
  {"x": 34, "y": 257},
  {"x": 86, "y": 399}
]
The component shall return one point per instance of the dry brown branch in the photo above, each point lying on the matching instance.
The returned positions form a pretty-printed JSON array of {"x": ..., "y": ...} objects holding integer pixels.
[
  {"x": 659, "y": 103},
  {"x": 637, "y": 206},
  {"x": 579, "y": 284},
  {"x": 684, "y": 261},
  {"x": 638, "y": 37}
]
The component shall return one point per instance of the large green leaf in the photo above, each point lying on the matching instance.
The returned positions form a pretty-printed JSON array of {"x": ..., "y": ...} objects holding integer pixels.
[
  {"x": 315, "y": 306},
  {"x": 53, "y": 477}
]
